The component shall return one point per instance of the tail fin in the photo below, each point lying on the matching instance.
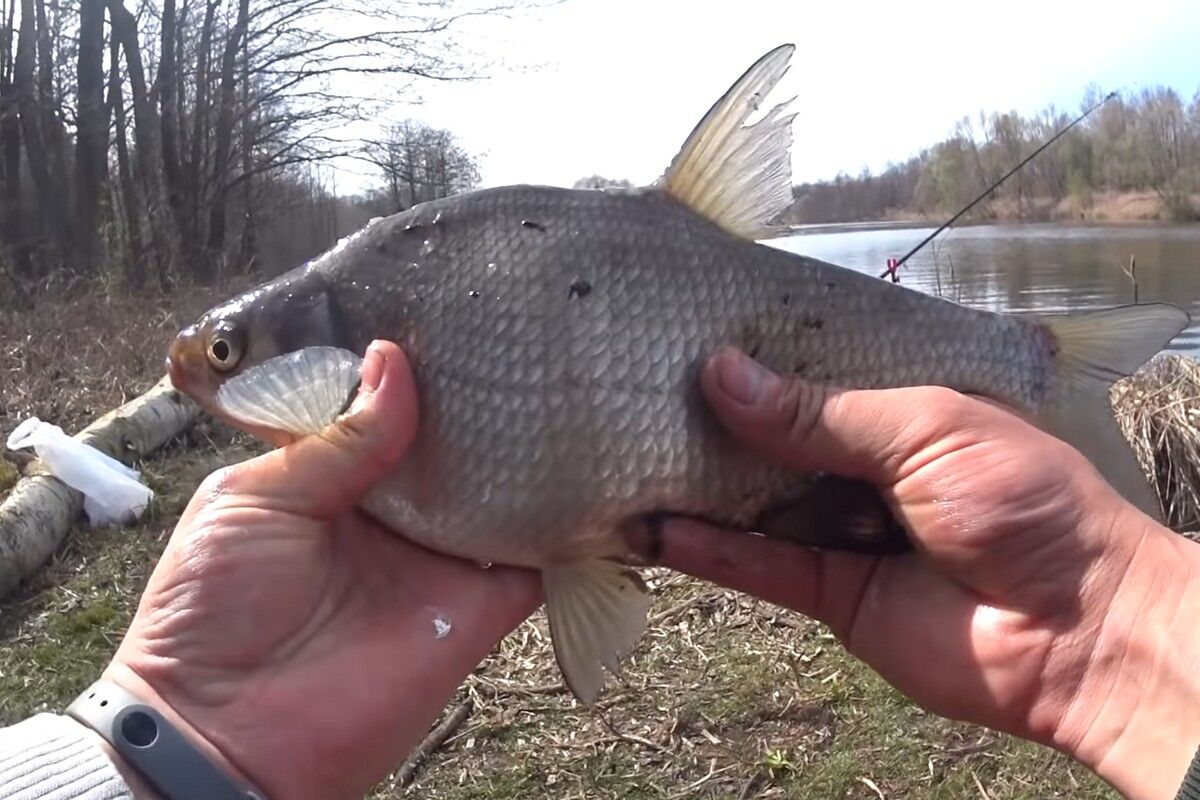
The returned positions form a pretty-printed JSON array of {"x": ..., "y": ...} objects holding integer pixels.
[{"x": 1094, "y": 351}]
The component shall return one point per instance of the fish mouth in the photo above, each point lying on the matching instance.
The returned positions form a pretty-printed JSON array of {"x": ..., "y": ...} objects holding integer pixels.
[
  {"x": 188, "y": 369},
  {"x": 190, "y": 374}
]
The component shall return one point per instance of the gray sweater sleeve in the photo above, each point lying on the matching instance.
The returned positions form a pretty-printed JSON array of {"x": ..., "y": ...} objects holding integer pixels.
[{"x": 51, "y": 757}]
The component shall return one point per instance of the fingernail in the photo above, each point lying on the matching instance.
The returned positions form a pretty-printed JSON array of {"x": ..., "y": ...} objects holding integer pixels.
[
  {"x": 743, "y": 378},
  {"x": 372, "y": 368},
  {"x": 370, "y": 376}
]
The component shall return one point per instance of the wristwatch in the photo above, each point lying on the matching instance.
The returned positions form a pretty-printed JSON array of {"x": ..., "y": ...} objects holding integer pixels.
[
  {"x": 1190, "y": 790},
  {"x": 154, "y": 747}
]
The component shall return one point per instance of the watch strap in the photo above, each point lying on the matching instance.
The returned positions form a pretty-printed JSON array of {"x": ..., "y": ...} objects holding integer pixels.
[
  {"x": 1190, "y": 790},
  {"x": 150, "y": 744}
]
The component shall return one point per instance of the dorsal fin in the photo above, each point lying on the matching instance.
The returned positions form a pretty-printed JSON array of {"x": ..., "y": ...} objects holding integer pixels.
[{"x": 739, "y": 176}]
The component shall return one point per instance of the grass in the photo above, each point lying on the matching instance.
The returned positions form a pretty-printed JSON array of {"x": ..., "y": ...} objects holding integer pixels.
[
  {"x": 726, "y": 697},
  {"x": 1159, "y": 411}
]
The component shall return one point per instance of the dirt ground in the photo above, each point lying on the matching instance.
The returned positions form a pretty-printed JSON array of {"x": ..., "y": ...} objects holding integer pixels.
[{"x": 725, "y": 697}]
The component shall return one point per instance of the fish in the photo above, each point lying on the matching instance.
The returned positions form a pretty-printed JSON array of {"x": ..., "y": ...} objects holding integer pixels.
[{"x": 556, "y": 336}]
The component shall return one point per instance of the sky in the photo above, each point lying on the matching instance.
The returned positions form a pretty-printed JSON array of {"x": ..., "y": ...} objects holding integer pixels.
[{"x": 613, "y": 87}]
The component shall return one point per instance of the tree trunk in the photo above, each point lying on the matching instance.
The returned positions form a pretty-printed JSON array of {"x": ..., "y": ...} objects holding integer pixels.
[
  {"x": 55, "y": 135},
  {"x": 38, "y": 514},
  {"x": 91, "y": 141},
  {"x": 134, "y": 272},
  {"x": 11, "y": 232},
  {"x": 248, "y": 251},
  {"x": 50, "y": 205},
  {"x": 224, "y": 139},
  {"x": 163, "y": 235},
  {"x": 168, "y": 86},
  {"x": 194, "y": 167}
]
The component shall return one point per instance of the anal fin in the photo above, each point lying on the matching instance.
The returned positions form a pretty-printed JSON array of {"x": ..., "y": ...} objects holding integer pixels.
[{"x": 597, "y": 610}]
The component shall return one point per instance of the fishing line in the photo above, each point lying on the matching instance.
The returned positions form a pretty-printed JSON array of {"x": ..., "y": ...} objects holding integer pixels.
[{"x": 895, "y": 264}]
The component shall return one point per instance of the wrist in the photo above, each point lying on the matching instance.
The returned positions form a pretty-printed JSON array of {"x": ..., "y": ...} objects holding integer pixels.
[
  {"x": 1136, "y": 714},
  {"x": 128, "y": 679}
]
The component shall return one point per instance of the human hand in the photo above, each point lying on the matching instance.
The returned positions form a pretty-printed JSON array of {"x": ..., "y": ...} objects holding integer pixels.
[
  {"x": 1037, "y": 602},
  {"x": 291, "y": 636}
]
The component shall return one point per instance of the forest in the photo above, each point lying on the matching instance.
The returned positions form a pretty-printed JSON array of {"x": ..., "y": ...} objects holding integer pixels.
[
  {"x": 1142, "y": 143},
  {"x": 184, "y": 140},
  {"x": 177, "y": 141}
]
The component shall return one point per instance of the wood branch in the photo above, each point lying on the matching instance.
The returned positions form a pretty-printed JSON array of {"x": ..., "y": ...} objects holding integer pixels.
[
  {"x": 436, "y": 738},
  {"x": 37, "y": 515}
]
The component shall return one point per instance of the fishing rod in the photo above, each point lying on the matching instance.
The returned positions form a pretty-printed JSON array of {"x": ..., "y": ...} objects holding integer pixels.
[{"x": 895, "y": 264}]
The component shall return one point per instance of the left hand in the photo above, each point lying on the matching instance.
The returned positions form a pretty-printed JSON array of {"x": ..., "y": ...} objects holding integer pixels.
[{"x": 291, "y": 636}]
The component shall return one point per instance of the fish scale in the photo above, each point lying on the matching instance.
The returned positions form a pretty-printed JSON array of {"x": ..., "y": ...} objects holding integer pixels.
[{"x": 557, "y": 338}]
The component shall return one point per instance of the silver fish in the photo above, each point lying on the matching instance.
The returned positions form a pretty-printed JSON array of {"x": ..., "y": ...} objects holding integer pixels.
[{"x": 557, "y": 336}]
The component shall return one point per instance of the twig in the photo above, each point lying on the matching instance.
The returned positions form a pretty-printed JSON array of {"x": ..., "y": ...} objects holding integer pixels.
[
  {"x": 1131, "y": 273},
  {"x": 870, "y": 784},
  {"x": 688, "y": 791},
  {"x": 432, "y": 742},
  {"x": 630, "y": 737},
  {"x": 750, "y": 786},
  {"x": 979, "y": 785},
  {"x": 683, "y": 605}
]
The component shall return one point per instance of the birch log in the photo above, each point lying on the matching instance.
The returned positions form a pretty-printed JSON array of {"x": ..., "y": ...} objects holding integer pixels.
[{"x": 39, "y": 512}]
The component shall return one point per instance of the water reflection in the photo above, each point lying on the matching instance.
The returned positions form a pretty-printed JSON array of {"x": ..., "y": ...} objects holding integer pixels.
[{"x": 1032, "y": 267}]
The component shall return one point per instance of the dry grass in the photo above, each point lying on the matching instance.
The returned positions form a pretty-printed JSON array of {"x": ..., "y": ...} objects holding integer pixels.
[
  {"x": 725, "y": 697},
  {"x": 1159, "y": 412},
  {"x": 69, "y": 361}
]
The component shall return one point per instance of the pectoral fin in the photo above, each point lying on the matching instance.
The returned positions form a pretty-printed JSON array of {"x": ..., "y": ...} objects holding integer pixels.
[
  {"x": 597, "y": 610},
  {"x": 298, "y": 392}
]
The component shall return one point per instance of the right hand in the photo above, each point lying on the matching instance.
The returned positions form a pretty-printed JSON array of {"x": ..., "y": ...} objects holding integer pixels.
[{"x": 1038, "y": 602}]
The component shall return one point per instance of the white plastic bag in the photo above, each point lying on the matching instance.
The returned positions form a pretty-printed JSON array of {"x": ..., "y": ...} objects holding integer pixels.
[{"x": 112, "y": 492}]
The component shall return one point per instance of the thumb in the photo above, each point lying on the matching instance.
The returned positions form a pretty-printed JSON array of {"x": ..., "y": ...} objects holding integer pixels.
[
  {"x": 327, "y": 474},
  {"x": 865, "y": 434}
]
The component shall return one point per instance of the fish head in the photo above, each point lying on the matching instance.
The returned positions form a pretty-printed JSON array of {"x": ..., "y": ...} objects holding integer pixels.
[{"x": 289, "y": 314}]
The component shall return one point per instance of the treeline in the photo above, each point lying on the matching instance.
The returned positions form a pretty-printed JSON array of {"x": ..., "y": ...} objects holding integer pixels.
[
  {"x": 184, "y": 139},
  {"x": 1146, "y": 142}
]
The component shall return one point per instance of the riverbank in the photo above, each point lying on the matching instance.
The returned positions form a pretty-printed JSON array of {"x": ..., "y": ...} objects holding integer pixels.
[{"x": 1103, "y": 207}]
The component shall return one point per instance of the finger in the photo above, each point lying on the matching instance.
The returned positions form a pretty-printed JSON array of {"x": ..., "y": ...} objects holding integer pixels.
[
  {"x": 867, "y": 434},
  {"x": 823, "y": 585},
  {"x": 326, "y": 474}
]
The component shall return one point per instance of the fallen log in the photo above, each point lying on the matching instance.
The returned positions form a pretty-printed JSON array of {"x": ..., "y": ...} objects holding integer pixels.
[{"x": 40, "y": 510}]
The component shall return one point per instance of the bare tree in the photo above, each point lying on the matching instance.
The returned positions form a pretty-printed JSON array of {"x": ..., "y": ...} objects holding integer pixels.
[
  {"x": 29, "y": 105},
  {"x": 224, "y": 141},
  {"x": 91, "y": 137},
  {"x": 420, "y": 163},
  {"x": 16, "y": 248},
  {"x": 600, "y": 182},
  {"x": 134, "y": 262},
  {"x": 217, "y": 114}
]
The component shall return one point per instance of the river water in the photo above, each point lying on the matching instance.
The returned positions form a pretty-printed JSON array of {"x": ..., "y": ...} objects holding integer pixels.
[{"x": 1048, "y": 268}]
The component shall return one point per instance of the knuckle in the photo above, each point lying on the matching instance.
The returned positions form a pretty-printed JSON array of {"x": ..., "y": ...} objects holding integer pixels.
[
  {"x": 801, "y": 406},
  {"x": 363, "y": 441},
  {"x": 218, "y": 483}
]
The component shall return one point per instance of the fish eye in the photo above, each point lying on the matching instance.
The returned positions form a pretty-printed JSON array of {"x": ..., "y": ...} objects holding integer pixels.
[{"x": 224, "y": 348}]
